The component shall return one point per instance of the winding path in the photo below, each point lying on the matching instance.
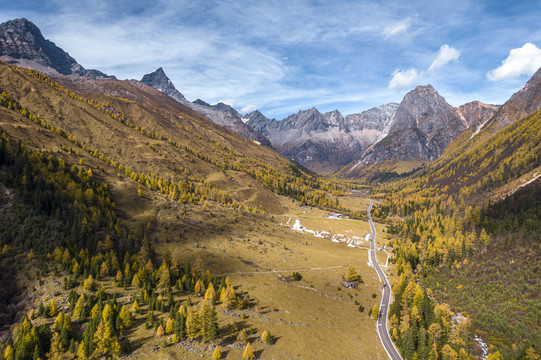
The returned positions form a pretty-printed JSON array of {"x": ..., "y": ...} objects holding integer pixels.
[{"x": 381, "y": 325}]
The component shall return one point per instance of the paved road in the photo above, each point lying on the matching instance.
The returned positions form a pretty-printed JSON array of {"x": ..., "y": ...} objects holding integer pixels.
[{"x": 383, "y": 332}]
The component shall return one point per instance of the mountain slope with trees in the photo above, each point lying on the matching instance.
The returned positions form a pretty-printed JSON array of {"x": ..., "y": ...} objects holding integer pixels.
[{"x": 470, "y": 233}]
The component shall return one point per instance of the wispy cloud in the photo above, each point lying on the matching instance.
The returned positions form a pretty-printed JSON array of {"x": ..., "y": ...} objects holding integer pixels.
[
  {"x": 397, "y": 28},
  {"x": 288, "y": 55},
  {"x": 404, "y": 79},
  {"x": 445, "y": 55},
  {"x": 521, "y": 61},
  {"x": 248, "y": 109}
]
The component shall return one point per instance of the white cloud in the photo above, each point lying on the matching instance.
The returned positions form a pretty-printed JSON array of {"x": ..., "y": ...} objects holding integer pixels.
[
  {"x": 397, "y": 28},
  {"x": 445, "y": 55},
  {"x": 404, "y": 79},
  {"x": 230, "y": 102},
  {"x": 525, "y": 60},
  {"x": 248, "y": 109}
]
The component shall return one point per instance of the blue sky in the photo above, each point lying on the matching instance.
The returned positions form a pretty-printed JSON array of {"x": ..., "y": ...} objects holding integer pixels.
[{"x": 283, "y": 56}]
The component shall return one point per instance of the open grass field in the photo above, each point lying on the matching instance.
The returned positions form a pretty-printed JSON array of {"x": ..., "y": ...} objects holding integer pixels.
[{"x": 314, "y": 318}]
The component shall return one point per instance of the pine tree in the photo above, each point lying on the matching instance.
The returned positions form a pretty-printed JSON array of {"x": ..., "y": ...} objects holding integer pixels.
[
  {"x": 266, "y": 337},
  {"x": 217, "y": 354},
  {"x": 160, "y": 331},
  {"x": 210, "y": 294},
  {"x": 242, "y": 337},
  {"x": 105, "y": 341},
  {"x": 169, "y": 326},
  {"x": 248, "y": 352},
  {"x": 104, "y": 269},
  {"x": 165, "y": 277},
  {"x": 180, "y": 325},
  {"x": 191, "y": 324},
  {"x": 531, "y": 355},
  {"x": 57, "y": 349},
  {"x": 212, "y": 330},
  {"x": 375, "y": 312},
  {"x": 125, "y": 317},
  {"x": 135, "y": 281},
  {"x": 79, "y": 307},
  {"x": 9, "y": 354},
  {"x": 53, "y": 308},
  {"x": 81, "y": 351},
  {"x": 495, "y": 356},
  {"x": 135, "y": 306},
  {"x": 351, "y": 274},
  {"x": 228, "y": 297},
  {"x": 59, "y": 322}
]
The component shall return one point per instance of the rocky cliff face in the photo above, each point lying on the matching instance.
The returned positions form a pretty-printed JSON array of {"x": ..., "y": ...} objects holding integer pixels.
[
  {"x": 220, "y": 113},
  {"x": 421, "y": 128},
  {"x": 477, "y": 113},
  {"x": 22, "y": 44},
  {"x": 526, "y": 101},
  {"x": 375, "y": 118},
  {"x": 324, "y": 143}
]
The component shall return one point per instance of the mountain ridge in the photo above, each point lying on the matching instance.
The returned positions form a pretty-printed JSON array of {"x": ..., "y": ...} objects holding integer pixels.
[
  {"x": 323, "y": 142},
  {"x": 423, "y": 125},
  {"x": 220, "y": 113}
]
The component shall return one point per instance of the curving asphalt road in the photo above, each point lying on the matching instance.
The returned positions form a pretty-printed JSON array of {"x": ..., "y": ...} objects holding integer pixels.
[{"x": 383, "y": 331}]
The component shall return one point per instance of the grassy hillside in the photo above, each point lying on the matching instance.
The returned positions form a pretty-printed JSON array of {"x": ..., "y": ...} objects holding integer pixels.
[{"x": 147, "y": 133}]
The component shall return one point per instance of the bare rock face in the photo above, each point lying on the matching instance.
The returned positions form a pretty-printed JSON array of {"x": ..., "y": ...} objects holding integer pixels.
[
  {"x": 375, "y": 118},
  {"x": 323, "y": 142},
  {"x": 221, "y": 114},
  {"x": 526, "y": 101},
  {"x": 421, "y": 128},
  {"x": 22, "y": 44},
  {"x": 477, "y": 113}
]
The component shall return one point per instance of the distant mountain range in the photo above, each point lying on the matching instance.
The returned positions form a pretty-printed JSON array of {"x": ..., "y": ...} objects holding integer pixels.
[
  {"x": 419, "y": 128},
  {"x": 325, "y": 142}
]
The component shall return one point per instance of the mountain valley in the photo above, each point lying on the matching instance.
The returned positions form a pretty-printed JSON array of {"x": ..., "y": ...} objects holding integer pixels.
[{"x": 136, "y": 223}]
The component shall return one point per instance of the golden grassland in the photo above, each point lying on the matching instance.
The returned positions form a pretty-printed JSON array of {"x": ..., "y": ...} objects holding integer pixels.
[{"x": 311, "y": 318}]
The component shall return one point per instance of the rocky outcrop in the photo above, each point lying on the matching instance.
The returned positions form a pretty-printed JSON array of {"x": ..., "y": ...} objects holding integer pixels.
[
  {"x": 322, "y": 142},
  {"x": 22, "y": 44}
]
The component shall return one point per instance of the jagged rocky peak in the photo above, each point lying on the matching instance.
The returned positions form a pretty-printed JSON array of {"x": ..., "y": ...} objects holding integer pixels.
[
  {"x": 427, "y": 110},
  {"x": 334, "y": 118},
  {"x": 201, "y": 102},
  {"x": 159, "y": 81},
  {"x": 259, "y": 122},
  {"x": 375, "y": 118},
  {"x": 421, "y": 128},
  {"x": 224, "y": 107},
  {"x": 322, "y": 142},
  {"x": 309, "y": 120},
  {"x": 22, "y": 44},
  {"x": 220, "y": 113}
]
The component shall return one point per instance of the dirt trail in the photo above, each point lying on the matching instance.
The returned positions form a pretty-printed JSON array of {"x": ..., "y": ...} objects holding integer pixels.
[{"x": 274, "y": 271}]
